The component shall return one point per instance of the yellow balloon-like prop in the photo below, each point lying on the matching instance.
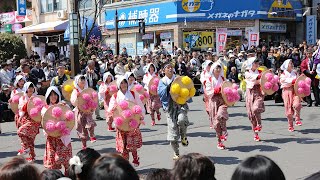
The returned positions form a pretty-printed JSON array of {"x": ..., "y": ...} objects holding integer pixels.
[
  {"x": 192, "y": 92},
  {"x": 181, "y": 100},
  {"x": 68, "y": 88},
  {"x": 184, "y": 92},
  {"x": 186, "y": 80},
  {"x": 175, "y": 88}
]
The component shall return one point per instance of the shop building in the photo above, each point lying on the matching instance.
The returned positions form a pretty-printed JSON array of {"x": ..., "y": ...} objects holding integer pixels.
[{"x": 172, "y": 22}]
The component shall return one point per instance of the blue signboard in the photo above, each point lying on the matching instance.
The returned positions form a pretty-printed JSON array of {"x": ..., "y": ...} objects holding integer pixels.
[
  {"x": 208, "y": 10},
  {"x": 311, "y": 29},
  {"x": 22, "y": 7},
  {"x": 153, "y": 14}
]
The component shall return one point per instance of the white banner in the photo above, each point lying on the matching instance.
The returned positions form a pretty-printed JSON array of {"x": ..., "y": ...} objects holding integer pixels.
[
  {"x": 221, "y": 39},
  {"x": 311, "y": 29},
  {"x": 253, "y": 39}
]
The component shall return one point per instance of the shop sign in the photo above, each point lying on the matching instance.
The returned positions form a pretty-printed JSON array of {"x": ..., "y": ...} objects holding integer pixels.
[
  {"x": 281, "y": 9},
  {"x": 253, "y": 39},
  {"x": 22, "y": 7},
  {"x": 147, "y": 36},
  {"x": 152, "y": 14},
  {"x": 311, "y": 29},
  {"x": 8, "y": 28},
  {"x": 221, "y": 35},
  {"x": 198, "y": 39},
  {"x": 273, "y": 27},
  {"x": 166, "y": 35},
  {"x": 234, "y": 32},
  {"x": 16, "y": 27},
  {"x": 13, "y": 17}
]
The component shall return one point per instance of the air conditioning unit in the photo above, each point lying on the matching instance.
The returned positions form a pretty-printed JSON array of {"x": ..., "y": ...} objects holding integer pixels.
[{"x": 62, "y": 14}]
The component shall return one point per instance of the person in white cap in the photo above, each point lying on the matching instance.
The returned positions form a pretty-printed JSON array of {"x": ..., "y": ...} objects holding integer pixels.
[
  {"x": 292, "y": 102},
  {"x": 254, "y": 96}
]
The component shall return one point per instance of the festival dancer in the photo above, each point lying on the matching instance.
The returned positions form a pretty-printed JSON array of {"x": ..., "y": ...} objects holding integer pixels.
[
  {"x": 218, "y": 113},
  {"x": 292, "y": 103},
  {"x": 57, "y": 152},
  {"x": 18, "y": 87},
  {"x": 104, "y": 94},
  {"x": 130, "y": 141},
  {"x": 154, "y": 103},
  {"x": 29, "y": 128},
  {"x": 205, "y": 74},
  {"x": 254, "y": 96},
  {"x": 131, "y": 80},
  {"x": 84, "y": 121},
  {"x": 177, "y": 118}
]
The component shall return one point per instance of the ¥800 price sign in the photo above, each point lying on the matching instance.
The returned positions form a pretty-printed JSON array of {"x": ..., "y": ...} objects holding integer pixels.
[{"x": 199, "y": 39}]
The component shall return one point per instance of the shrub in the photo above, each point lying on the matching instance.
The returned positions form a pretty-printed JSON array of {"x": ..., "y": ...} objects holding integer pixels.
[{"x": 11, "y": 44}]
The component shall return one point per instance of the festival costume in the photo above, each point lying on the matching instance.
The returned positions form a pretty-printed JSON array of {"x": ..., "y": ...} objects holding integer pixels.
[
  {"x": 84, "y": 122},
  {"x": 204, "y": 76},
  {"x": 28, "y": 129},
  {"x": 254, "y": 98},
  {"x": 154, "y": 103},
  {"x": 292, "y": 103},
  {"x": 127, "y": 141},
  {"x": 177, "y": 118},
  {"x": 104, "y": 94},
  {"x": 56, "y": 152},
  {"x": 218, "y": 113},
  {"x": 14, "y": 92}
]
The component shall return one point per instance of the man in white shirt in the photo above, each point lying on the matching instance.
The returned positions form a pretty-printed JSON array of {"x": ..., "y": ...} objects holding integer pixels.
[{"x": 5, "y": 79}]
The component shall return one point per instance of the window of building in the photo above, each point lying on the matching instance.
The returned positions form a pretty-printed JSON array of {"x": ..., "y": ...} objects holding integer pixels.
[
  {"x": 114, "y": 1},
  {"x": 52, "y": 5},
  {"x": 85, "y": 4}
]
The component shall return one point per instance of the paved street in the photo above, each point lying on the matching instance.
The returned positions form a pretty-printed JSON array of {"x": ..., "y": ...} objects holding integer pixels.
[{"x": 296, "y": 153}]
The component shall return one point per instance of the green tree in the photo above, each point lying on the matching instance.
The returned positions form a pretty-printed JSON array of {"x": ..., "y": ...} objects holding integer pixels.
[{"x": 11, "y": 44}]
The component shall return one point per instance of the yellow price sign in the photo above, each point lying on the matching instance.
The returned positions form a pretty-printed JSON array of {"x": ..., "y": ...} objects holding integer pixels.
[{"x": 205, "y": 39}]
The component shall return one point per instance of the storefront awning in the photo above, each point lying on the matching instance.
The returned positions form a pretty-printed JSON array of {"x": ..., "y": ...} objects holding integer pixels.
[{"x": 44, "y": 27}]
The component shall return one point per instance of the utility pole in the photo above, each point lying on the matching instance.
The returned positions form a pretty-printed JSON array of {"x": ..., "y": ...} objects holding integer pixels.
[
  {"x": 117, "y": 33},
  {"x": 74, "y": 39},
  {"x": 141, "y": 29}
]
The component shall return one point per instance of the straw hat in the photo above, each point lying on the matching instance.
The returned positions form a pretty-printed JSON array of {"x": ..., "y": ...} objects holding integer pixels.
[
  {"x": 125, "y": 117},
  {"x": 15, "y": 102},
  {"x": 49, "y": 117},
  {"x": 296, "y": 86},
  {"x": 177, "y": 88},
  {"x": 226, "y": 84},
  {"x": 82, "y": 102},
  {"x": 153, "y": 82},
  {"x": 33, "y": 109},
  {"x": 263, "y": 81}
]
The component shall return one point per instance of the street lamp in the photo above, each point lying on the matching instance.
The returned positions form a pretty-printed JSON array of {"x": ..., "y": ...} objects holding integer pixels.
[{"x": 74, "y": 39}]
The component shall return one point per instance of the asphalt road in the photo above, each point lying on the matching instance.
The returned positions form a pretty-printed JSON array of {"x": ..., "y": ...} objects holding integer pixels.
[{"x": 297, "y": 153}]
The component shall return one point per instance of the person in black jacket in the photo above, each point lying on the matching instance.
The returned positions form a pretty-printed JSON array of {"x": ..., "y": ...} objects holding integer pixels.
[
  {"x": 28, "y": 75},
  {"x": 180, "y": 67},
  {"x": 38, "y": 72}
]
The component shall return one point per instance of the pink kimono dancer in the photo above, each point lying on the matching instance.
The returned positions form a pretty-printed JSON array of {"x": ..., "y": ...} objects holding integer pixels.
[
  {"x": 292, "y": 105},
  {"x": 154, "y": 105},
  {"x": 27, "y": 133},
  {"x": 57, "y": 154},
  {"x": 85, "y": 126},
  {"x": 255, "y": 106},
  {"x": 218, "y": 116}
]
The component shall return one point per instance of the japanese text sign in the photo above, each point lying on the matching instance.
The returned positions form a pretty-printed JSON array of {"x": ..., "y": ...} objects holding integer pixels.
[
  {"x": 311, "y": 29},
  {"x": 22, "y": 7}
]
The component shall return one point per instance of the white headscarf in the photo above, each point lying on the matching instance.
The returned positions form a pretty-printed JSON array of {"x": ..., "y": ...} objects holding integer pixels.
[
  {"x": 148, "y": 67},
  {"x": 18, "y": 78},
  {"x": 56, "y": 90},
  {"x": 206, "y": 64},
  {"x": 250, "y": 62},
  {"x": 105, "y": 77},
  {"x": 128, "y": 74},
  {"x": 285, "y": 64},
  {"x": 213, "y": 66},
  {"x": 77, "y": 80},
  {"x": 26, "y": 87},
  {"x": 120, "y": 79}
]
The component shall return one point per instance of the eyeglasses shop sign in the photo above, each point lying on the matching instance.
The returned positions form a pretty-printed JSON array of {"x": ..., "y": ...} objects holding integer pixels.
[{"x": 273, "y": 27}]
